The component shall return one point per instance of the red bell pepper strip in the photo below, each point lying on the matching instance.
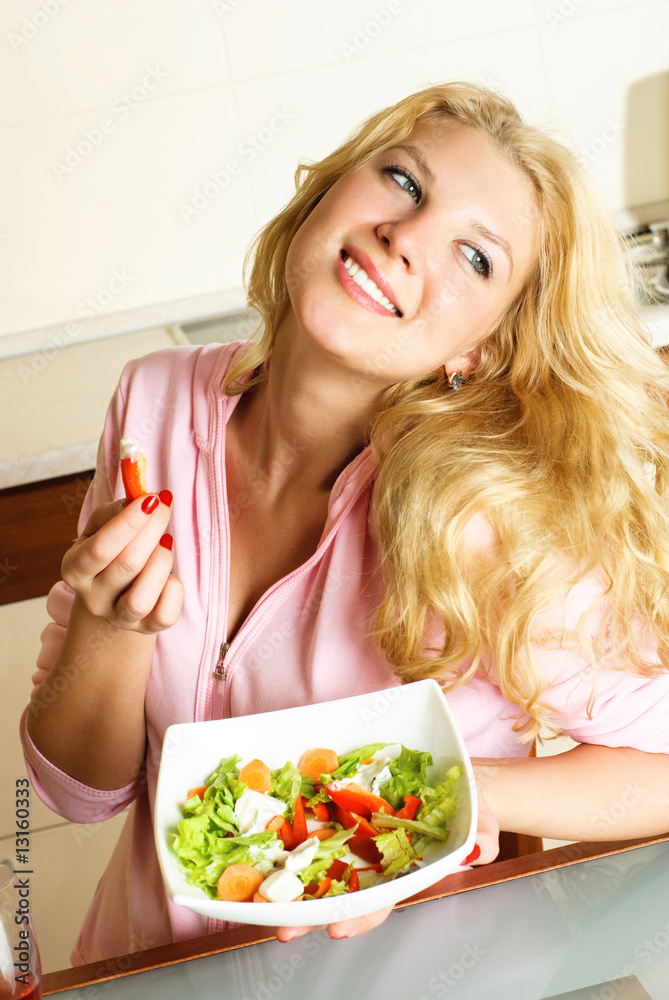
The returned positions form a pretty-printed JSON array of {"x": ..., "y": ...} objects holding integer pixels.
[
  {"x": 353, "y": 881},
  {"x": 357, "y": 800},
  {"x": 362, "y": 841},
  {"x": 349, "y": 819},
  {"x": 133, "y": 469},
  {"x": 323, "y": 887},
  {"x": 410, "y": 807},
  {"x": 337, "y": 869},
  {"x": 321, "y": 812},
  {"x": 286, "y": 835},
  {"x": 318, "y": 889},
  {"x": 299, "y": 822}
]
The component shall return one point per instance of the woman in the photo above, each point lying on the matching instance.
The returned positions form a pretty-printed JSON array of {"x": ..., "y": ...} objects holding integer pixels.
[{"x": 446, "y": 456}]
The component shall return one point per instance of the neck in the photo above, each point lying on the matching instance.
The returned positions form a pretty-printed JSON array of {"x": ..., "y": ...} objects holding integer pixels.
[{"x": 308, "y": 421}]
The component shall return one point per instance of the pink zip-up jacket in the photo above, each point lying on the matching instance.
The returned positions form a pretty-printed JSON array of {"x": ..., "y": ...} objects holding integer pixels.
[{"x": 305, "y": 641}]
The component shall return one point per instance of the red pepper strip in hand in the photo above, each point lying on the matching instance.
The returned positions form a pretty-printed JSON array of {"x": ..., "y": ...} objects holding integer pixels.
[
  {"x": 361, "y": 843},
  {"x": 410, "y": 807},
  {"x": 299, "y": 822},
  {"x": 357, "y": 800},
  {"x": 133, "y": 470},
  {"x": 353, "y": 881}
]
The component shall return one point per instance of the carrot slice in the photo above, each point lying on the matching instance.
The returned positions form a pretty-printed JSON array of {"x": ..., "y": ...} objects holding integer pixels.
[
  {"x": 257, "y": 776},
  {"x": 239, "y": 883},
  {"x": 275, "y": 823},
  {"x": 318, "y": 761},
  {"x": 259, "y": 898},
  {"x": 200, "y": 790},
  {"x": 323, "y": 833}
]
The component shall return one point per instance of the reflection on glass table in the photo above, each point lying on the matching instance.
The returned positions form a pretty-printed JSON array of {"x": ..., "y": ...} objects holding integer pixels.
[{"x": 535, "y": 937}]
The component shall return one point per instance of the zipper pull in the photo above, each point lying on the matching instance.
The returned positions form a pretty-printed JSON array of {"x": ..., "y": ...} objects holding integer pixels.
[{"x": 219, "y": 669}]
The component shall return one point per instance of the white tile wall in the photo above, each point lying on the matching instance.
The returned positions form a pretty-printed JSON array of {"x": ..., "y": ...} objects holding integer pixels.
[
  {"x": 88, "y": 55},
  {"x": 229, "y": 65},
  {"x": 594, "y": 66}
]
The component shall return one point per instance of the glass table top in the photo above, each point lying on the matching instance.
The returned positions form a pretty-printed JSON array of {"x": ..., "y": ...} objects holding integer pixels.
[{"x": 536, "y": 937}]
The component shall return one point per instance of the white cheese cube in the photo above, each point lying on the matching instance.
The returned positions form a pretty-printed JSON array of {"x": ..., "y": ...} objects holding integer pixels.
[{"x": 281, "y": 887}]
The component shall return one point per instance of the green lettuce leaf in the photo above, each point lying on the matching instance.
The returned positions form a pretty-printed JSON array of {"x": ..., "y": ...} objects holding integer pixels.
[
  {"x": 286, "y": 785},
  {"x": 350, "y": 762},
  {"x": 439, "y": 805},
  {"x": 397, "y": 854},
  {"x": 408, "y": 776}
]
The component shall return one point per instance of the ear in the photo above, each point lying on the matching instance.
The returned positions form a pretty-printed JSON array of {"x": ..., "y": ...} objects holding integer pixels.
[{"x": 467, "y": 362}]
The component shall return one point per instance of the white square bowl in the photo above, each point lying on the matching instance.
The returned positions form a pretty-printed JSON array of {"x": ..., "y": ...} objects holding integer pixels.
[{"x": 416, "y": 715}]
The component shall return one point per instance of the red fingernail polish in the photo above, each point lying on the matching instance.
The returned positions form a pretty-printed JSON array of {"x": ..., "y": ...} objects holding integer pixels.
[
  {"x": 149, "y": 504},
  {"x": 167, "y": 541},
  {"x": 165, "y": 497},
  {"x": 473, "y": 856}
]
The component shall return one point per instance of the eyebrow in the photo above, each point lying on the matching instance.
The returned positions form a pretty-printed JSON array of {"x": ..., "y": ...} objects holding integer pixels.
[
  {"x": 487, "y": 234},
  {"x": 416, "y": 154}
]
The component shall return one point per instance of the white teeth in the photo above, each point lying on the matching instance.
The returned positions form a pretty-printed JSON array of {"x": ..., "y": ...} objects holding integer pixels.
[{"x": 361, "y": 278}]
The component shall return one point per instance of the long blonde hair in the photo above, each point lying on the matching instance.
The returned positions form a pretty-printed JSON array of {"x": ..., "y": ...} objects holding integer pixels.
[{"x": 558, "y": 442}]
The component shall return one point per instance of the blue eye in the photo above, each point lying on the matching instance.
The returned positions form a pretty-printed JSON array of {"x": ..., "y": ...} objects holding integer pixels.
[
  {"x": 478, "y": 259},
  {"x": 405, "y": 180}
]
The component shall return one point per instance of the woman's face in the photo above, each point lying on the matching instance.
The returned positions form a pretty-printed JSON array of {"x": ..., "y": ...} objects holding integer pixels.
[{"x": 406, "y": 263}]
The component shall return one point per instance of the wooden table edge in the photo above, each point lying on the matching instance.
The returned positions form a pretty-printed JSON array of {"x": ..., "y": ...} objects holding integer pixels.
[{"x": 240, "y": 937}]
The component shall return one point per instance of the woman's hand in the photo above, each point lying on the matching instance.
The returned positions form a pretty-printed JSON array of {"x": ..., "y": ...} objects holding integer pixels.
[
  {"x": 121, "y": 565},
  {"x": 485, "y": 851}
]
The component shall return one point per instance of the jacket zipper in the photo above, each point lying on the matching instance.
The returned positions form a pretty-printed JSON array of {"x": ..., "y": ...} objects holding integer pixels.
[{"x": 219, "y": 669}]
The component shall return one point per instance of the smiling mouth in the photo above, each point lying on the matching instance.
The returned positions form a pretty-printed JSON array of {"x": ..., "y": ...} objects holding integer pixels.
[{"x": 361, "y": 278}]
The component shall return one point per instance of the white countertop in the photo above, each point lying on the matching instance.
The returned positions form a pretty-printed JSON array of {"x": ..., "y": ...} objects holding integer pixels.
[{"x": 53, "y": 403}]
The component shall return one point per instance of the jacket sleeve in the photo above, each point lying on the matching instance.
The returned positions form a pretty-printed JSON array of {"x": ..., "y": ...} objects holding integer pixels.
[
  {"x": 57, "y": 789},
  {"x": 607, "y": 704}
]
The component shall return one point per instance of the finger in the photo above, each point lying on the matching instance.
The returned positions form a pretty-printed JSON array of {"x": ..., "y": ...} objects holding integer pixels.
[
  {"x": 168, "y": 606},
  {"x": 290, "y": 933},
  {"x": 358, "y": 925},
  {"x": 137, "y": 602},
  {"x": 132, "y": 535}
]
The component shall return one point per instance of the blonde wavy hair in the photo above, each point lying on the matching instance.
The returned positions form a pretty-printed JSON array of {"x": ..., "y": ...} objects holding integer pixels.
[{"x": 558, "y": 442}]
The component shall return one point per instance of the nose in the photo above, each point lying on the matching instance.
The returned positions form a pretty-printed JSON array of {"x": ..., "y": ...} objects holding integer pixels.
[{"x": 405, "y": 240}]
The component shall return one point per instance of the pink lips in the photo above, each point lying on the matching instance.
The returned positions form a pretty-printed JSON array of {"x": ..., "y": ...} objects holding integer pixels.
[{"x": 354, "y": 289}]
